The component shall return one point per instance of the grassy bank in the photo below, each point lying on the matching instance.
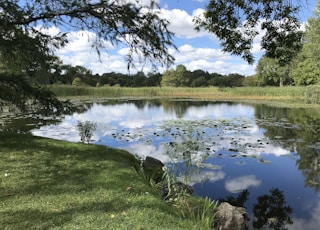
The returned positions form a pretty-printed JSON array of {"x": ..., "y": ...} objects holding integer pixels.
[
  {"x": 299, "y": 96},
  {"x": 50, "y": 184}
]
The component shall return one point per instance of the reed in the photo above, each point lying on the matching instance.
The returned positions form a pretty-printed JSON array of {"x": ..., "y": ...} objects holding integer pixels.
[{"x": 294, "y": 94}]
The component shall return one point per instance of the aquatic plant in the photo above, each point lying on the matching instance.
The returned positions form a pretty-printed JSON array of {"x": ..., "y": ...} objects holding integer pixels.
[
  {"x": 201, "y": 211},
  {"x": 86, "y": 130}
]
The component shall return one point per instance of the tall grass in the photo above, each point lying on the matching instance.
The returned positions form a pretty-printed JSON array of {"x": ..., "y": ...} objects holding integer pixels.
[
  {"x": 294, "y": 94},
  {"x": 298, "y": 94},
  {"x": 112, "y": 92}
]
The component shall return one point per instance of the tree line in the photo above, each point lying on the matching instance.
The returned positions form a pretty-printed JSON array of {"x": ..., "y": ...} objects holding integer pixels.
[{"x": 178, "y": 77}]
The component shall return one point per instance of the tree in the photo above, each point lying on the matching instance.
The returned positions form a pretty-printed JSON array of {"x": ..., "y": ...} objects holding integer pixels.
[
  {"x": 169, "y": 78},
  {"x": 177, "y": 78},
  {"x": 305, "y": 70},
  {"x": 306, "y": 67},
  {"x": 154, "y": 79},
  {"x": 312, "y": 36},
  {"x": 23, "y": 46},
  {"x": 236, "y": 23},
  {"x": 270, "y": 72},
  {"x": 139, "y": 79},
  {"x": 199, "y": 78}
]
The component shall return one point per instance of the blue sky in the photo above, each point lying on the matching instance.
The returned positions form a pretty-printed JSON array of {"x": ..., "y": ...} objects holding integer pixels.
[{"x": 196, "y": 50}]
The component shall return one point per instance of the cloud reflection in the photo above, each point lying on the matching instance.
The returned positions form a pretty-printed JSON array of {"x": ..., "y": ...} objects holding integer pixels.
[
  {"x": 311, "y": 224},
  {"x": 220, "y": 111},
  {"x": 146, "y": 119},
  {"x": 203, "y": 176},
  {"x": 143, "y": 150},
  {"x": 242, "y": 183}
]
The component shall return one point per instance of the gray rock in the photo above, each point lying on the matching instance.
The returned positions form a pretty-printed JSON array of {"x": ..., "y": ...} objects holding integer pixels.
[
  {"x": 230, "y": 217},
  {"x": 153, "y": 168}
]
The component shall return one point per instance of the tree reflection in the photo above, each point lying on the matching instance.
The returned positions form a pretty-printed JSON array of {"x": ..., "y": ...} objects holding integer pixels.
[
  {"x": 309, "y": 164},
  {"x": 296, "y": 130},
  {"x": 238, "y": 201},
  {"x": 271, "y": 211},
  {"x": 179, "y": 108}
]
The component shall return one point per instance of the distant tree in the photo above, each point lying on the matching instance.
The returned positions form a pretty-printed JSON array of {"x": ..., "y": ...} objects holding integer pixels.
[
  {"x": 77, "y": 82},
  {"x": 182, "y": 75},
  {"x": 177, "y": 78},
  {"x": 235, "y": 80},
  {"x": 89, "y": 80},
  {"x": 169, "y": 78},
  {"x": 251, "y": 81},
  {"x": 199, "y": 82},
  {"x": 154, "y": 79},
  {"x": 270, "y": 72},
  {"x": 139, "y": 79},
  {"x": 199, "y": 78},
  {"x": 215, "y": 79}
]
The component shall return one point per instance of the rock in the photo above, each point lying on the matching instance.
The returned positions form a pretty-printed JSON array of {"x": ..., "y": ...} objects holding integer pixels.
[
  {"x": 153, "y": 168},
  {"x": 230, "y": 217}
]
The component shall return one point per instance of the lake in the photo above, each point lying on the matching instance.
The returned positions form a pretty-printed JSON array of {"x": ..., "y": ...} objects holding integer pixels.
[{"x": 263, "y": 158}]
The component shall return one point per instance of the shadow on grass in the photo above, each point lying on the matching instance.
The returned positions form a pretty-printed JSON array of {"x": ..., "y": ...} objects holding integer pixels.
[
  {"x": 50, "y": 182},
  {"x": 36, "y": 219},
  {"x": 53, "y": 166}
]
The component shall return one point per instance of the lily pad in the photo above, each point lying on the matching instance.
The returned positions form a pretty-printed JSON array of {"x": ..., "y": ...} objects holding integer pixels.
[
  {"x": 262, "y": 161},
  {"x": 208, "y": 166}
]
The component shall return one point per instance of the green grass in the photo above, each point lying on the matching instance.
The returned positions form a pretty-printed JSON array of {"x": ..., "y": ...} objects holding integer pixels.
[
  {"x": 50, "y": 184},
  {"x": 290, "y": 95}
]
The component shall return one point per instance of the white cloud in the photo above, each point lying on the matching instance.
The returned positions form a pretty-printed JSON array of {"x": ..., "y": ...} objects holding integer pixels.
[
  {"x": 188, "y": 52},
  {"x": 81, "y": 41},
  {"x": 217, "y": 66},
  {"x": 242, "y": 183},
  {"x": 181, "y": 23},
  {"x": 211, "y": 60}
]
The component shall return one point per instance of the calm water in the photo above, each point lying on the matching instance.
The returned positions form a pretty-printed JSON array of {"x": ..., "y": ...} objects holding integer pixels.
[{"x": 265, "y": 159}]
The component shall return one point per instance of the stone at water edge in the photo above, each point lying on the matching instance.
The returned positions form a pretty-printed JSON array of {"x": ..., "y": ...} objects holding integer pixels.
[
  {"x": 153, "y": 168},
  {"x": 230, "y": 217}
]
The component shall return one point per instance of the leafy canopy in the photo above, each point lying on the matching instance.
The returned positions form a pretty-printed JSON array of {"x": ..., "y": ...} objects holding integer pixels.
[
  {"x": 236, "y": 23},
  {"x": 139, "y": 26}
]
